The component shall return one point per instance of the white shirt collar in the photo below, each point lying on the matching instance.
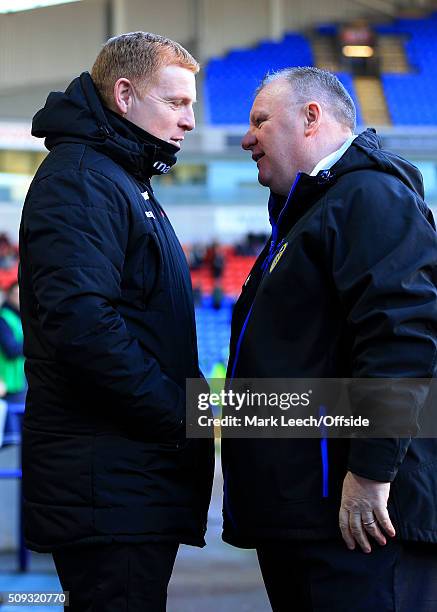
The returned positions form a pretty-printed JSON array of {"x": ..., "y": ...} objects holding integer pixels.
[{"x": 328, "y": 161}]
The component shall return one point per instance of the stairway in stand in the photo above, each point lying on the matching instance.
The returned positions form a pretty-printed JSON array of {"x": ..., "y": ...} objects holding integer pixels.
[
  {"x": 391, "y": 54},
  {"x": 372, "y": 101},
  {"x": 369, "y": 89},
  {"x": 325, "y": 53}
]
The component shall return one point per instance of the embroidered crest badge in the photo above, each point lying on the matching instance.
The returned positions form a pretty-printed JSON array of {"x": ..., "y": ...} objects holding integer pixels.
[{"x": 278, "y": 256}]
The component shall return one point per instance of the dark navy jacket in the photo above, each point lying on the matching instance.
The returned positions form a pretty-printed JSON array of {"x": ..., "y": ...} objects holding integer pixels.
[
  {"x": 352, "y": 296},
  {"x": 109, "y": 339}
]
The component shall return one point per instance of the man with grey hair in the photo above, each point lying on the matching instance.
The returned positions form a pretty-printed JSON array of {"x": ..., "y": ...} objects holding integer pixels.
[{"x": 344, "y": 288}]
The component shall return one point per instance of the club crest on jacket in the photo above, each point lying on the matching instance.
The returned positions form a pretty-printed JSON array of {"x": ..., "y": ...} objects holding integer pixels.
[{"x": 278, "y": 256}]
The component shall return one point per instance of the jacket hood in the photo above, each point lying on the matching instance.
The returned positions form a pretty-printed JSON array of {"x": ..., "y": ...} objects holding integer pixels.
[
  {"x": 78, "y": 115},
  {"x": 365, "y": 153}
]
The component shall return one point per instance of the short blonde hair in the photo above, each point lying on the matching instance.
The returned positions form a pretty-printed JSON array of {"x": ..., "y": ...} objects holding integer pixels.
[{"x": 136, "y": 56}]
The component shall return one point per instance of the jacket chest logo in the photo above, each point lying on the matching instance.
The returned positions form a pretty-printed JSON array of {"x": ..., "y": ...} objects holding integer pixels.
[
  {"x": 161, "y": 167},
  {"x": 149, "y": 213},
  {"x": 278, "y": 256}
]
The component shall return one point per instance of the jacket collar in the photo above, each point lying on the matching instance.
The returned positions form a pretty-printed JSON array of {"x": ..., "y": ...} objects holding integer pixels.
[
  {"x": 78, "y": 115},
  {"x": 364, "y": 153},
  {"x": 327, "y": 162}
]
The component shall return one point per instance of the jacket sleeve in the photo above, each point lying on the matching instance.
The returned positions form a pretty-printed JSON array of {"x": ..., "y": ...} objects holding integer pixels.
[
  {"x": 75, "y": 228},
  {"x": 383, "y": 252}
]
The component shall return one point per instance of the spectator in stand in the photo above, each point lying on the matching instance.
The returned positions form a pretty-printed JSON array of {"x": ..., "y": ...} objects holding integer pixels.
[
  {"x": 11, "y": 346},
  {"x": 196, "y": 256},
  {"x": 8, "y": 253},
  {"x": 8, "y": 262},
  {"x": 12, "y": 378},
  {"x": 215, "y": 259},
  {"x": 252, "y": 245}
]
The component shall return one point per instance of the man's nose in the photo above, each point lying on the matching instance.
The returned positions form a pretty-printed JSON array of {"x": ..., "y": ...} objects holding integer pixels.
[
  {"x": 249, "y": 140},
  {"x": 187, "y": 120}
]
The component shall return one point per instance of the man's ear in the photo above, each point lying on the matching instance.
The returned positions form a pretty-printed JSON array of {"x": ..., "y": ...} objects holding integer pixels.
[
  {"x": 313, "y": 117},
  {"x": 123, "y": 95}
]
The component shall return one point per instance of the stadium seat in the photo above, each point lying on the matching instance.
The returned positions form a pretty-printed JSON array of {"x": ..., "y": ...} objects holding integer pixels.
[
  {"x": 231, "y": 81},
  {"x": 405, "y": 93}
]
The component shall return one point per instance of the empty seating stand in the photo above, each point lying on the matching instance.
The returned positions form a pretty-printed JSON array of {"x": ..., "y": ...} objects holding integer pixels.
[
  {"x": 232, "y": 80},
  {"x": 412, "y": 98}
]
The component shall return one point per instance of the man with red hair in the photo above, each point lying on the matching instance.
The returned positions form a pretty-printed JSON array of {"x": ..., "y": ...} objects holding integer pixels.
[{"x": 111, "y": 485}]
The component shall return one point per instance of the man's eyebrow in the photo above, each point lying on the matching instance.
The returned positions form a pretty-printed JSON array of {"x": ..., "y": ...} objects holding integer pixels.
[
  {"x": 181, "y": 98},
  {"x": 257, "y": 116}
]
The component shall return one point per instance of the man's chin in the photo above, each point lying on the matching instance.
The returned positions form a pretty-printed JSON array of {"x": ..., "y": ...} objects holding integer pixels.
[
  {"x": 274, "y": 186},
  {"x": 263, "y": 180}
]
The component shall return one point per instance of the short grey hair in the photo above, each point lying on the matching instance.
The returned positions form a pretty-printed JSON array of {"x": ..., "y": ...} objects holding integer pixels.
[{"x": 314, "y": 83}]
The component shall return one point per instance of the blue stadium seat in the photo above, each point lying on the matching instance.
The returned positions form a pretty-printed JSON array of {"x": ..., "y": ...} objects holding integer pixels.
[
  {"x": 231, "y": 81},
  {"x": 405, "y": 93},
  {"x": 213, "y": 332}
]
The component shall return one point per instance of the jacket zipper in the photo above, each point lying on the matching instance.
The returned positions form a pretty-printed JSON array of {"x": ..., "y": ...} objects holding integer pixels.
[
  {"x": 272, "y": 252},
  {"x": 324, "y": 456}
]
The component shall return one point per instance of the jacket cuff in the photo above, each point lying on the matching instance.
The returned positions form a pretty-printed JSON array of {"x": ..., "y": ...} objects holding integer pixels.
[{"x": 377, "y": 459}]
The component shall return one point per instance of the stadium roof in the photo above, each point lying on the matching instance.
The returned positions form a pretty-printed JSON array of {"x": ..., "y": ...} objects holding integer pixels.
[{"x": 14, "y": 6}]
